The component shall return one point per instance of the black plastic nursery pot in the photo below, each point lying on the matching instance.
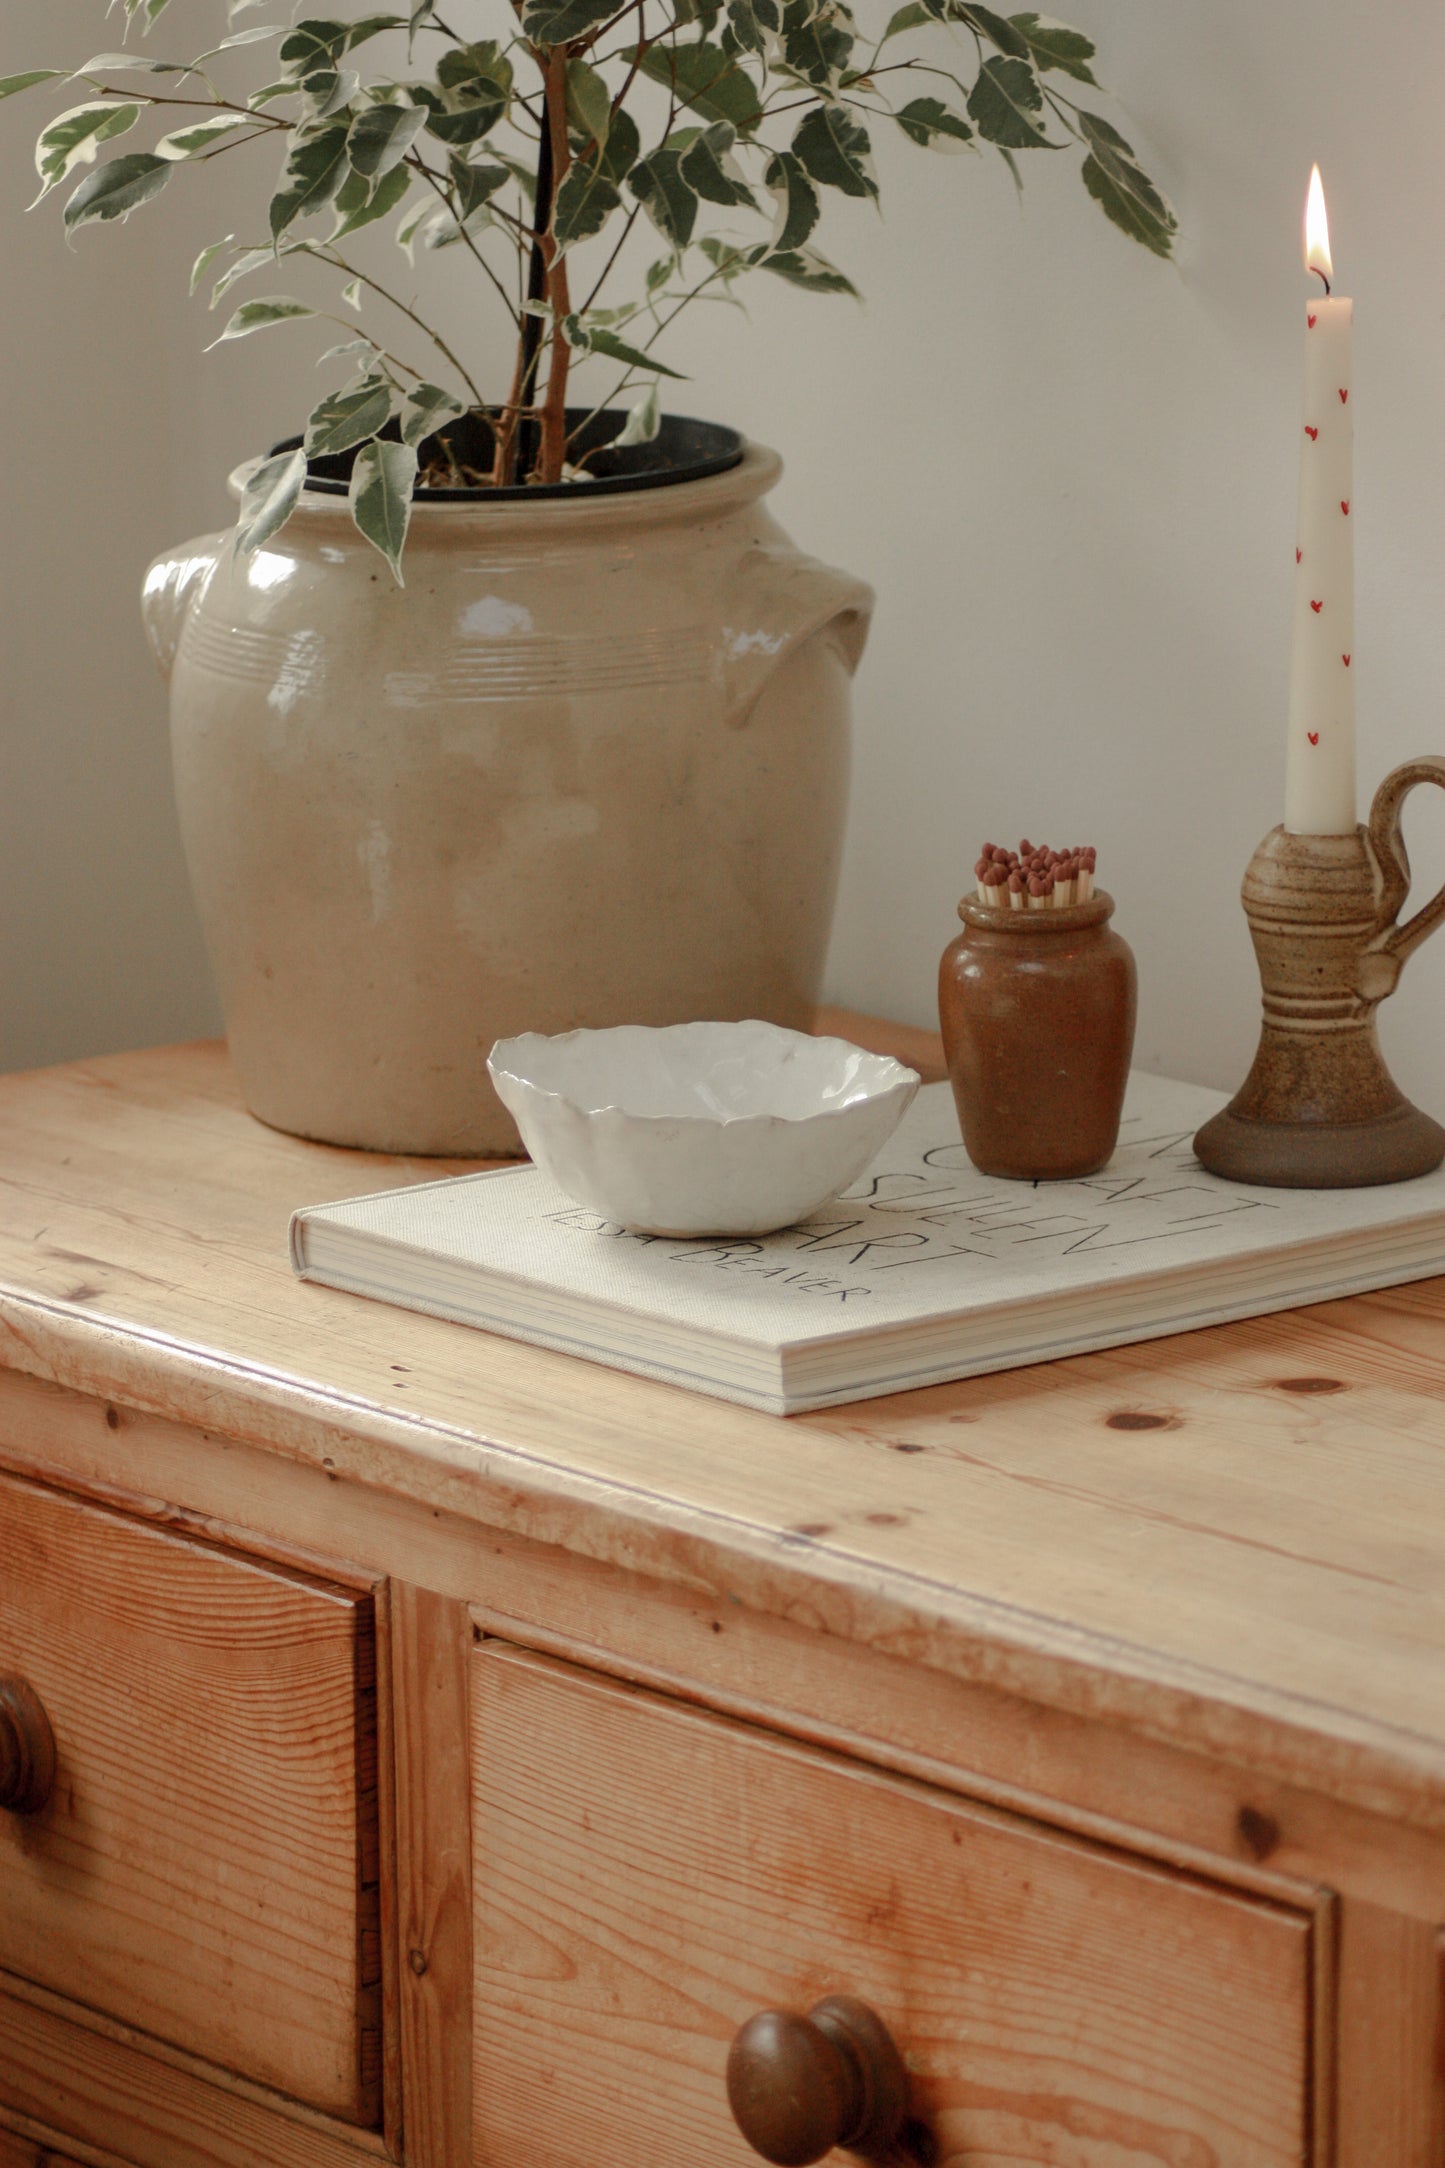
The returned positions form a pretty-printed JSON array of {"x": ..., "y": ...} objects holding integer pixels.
[{"x": 684, "y": 450}]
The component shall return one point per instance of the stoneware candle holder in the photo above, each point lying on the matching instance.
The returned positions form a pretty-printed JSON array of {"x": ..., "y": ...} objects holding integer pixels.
[
  {"x": 1319, "y": 1109},
  {"x": 1037, "y": 1014}
]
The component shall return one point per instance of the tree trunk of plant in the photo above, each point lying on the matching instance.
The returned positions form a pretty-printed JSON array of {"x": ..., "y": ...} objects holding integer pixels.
[
  {"x": 517, "y": 436},
  {"x": 554, "y": 413}
]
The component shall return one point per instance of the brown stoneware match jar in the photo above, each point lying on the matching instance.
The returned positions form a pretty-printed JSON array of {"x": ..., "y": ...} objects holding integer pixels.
[{"x": 1037, "y": 1014}]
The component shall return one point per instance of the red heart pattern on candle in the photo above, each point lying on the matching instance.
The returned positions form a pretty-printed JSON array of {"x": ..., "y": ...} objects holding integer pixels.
[
  {"x": 1299, "y": 553},
  {"x": 1310, "y": 320},
  {"x": 1345, "y": 660},
  {"x": 1345, "y": 506},
  {"x": 1317, "y": 607},
  {"x": 1344, "y": 396},
  {"x": 1313, "y": 736},
  {"x": 1311, "y": 433}
]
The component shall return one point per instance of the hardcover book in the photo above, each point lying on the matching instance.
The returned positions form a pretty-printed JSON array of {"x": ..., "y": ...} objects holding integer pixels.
[{"x": 924, "y": 1270}]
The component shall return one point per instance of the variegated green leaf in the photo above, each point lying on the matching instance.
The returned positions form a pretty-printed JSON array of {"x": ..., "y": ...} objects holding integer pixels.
[
  {"x": 817, "y": 39},
  {"x": 557, "y": 22},
  {"x": 583, "y": 205},
  {"x": 269, "y": 499},
  {"x": 1056, "y": 45},
  {"x": 426, "y": 409},
  {"x": 467, "y": 123},
  {"x": 73, "y": 138},
  {"x": 116, "y": 189},
  {"x": 247, "y": 261},
  {"x": 744, "y": 32},
  {"x": 362, "y": 351},
  {"x": 659, "y": 187},
  {"x": 1121, "y": 188},
  {"x": 12, "y": 85},
  {"x": 623, "y": 147},
  {"x": 929, "y": 122},
  {"x": 359, "y": 204},
  {"x": 256, "y": 36},
  {"x": 997, "y": 28},
  {"x": 381, "y": 486},
  {"x": 134, "y": 63},
  {"x": 709, "y": 167},
  {"x": 328, "y": 93},
  {"x": 835, "y": 149},
  {"x": 910, "y": 17},
  {"x": 348, "y": 417},
  {"x": 201, "y": 136},
  {"x": 598, "y": 341},
  {"x": 705, "y": 80},
  {"x": 643, "y": 422},
  {"x": 474, "y": 188},
  {"x": 314, "y": 172},
  {"x": 1005, "y": 103},
  {"x": 589, "y": 103},
  {"x": 380, "y": 137},
  {"x": 207, "y": 257},
  {"x": 805, "y": 267},
  {"x": 409, "y": 228},
  {"x": 260, "y": 315},
  {"x": 796, "y": 200}
]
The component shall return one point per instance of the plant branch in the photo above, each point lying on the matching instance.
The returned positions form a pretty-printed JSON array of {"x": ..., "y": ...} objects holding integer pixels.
[
  {"x": 383, "y": 353},
  {"x": 629, "y": 376},
  {"x": 606, "y": 272},
  {"x": 201, "y": 105},
  {"x": 438, "y": 184},
  {"x": 554, "y": 411},
  {"x": 328, "y": 254}
]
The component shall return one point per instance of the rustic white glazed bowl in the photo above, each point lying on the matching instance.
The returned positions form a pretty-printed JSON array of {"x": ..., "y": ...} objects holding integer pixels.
[{"x": 700, "y": 1129}]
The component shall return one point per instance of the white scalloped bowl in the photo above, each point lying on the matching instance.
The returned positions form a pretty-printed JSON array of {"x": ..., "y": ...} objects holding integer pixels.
[{"x": 700, "y": 1129}]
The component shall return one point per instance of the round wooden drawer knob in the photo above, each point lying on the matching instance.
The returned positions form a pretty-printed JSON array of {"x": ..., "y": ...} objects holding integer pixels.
[
  {"x": 798, "y": 2086},
  {"x": 27, "y": 1749}
]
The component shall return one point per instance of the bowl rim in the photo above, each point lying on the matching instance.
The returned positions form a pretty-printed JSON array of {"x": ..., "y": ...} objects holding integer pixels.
[{"x": 903, "y": 1078}]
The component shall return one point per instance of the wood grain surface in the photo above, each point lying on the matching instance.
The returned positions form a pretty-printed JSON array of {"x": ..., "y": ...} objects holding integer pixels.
[
  {"x": 432, "y": 1640},
  {"x": 647, "y": 1877},
  {"x": 197, "y": 1871},
  {"x": 1230, "y": 1540},
  {"x": 157, "y": 2109},
  {"x": 18, "y": 2152}
]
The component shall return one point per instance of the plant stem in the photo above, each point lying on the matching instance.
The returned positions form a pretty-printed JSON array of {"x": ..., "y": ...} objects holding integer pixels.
[
  {"x": 338, "y": 261},
  {"x": 554, "y": 413},
  {"x": 524, "y": 385},
  {"x": 436, "y": 182},
  {"x": 606, "y": 272}
]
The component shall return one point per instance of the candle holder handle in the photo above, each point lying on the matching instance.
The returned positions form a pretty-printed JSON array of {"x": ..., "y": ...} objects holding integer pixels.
[
  {"x": 1385, "y": 953},
  {"x": 1319, "y": 1109}
]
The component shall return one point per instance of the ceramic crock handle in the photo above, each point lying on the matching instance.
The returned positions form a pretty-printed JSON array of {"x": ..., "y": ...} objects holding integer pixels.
[
  {"x": 171, "y": 585},
  {"x": 777, "y": 600},
  {"x": 1390, "y": 944}
]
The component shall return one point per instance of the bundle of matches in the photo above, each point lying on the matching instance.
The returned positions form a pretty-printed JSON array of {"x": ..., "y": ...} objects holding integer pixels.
[{"x": 1035, "y": 878}]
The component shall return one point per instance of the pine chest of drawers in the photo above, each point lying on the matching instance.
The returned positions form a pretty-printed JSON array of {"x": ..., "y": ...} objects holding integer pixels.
[{"x": 417, "y": 1747}]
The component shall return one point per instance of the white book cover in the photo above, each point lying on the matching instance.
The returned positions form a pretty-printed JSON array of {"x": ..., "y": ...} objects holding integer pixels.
[{"x": 924, "y": 1270}]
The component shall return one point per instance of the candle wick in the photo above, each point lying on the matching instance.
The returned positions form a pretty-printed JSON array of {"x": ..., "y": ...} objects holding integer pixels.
[{"x": 1320, "y": 276}]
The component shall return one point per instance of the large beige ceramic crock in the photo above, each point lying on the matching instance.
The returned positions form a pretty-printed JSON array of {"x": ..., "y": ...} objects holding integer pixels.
[{"x": 589, "y": 766}]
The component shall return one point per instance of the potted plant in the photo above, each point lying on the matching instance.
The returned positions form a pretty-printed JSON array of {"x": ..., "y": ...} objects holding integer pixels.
[{"x": 572, "y": 748}]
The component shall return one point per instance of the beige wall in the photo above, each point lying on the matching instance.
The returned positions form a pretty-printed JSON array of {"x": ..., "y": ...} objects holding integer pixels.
[{"x": 1069, "y": 471}]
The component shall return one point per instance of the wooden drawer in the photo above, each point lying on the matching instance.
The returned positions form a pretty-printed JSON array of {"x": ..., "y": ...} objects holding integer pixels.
[
  {"x": 207, "y": 1865},
  {"x": 647, "y": 1876},
  {"x": 18, "y": 2152}
]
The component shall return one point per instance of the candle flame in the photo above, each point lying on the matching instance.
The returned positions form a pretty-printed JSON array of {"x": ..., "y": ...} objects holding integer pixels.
[{"x": 1317, "y": 231}]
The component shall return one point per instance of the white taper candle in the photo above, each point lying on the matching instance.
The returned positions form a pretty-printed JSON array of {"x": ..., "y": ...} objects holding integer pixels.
[{"x": 1319, "y": 792}]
